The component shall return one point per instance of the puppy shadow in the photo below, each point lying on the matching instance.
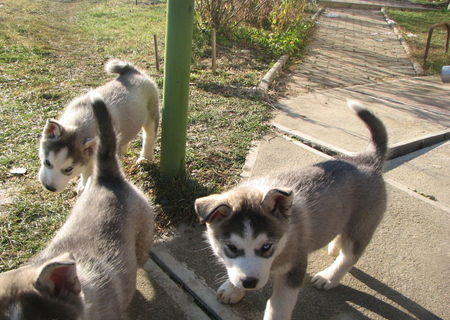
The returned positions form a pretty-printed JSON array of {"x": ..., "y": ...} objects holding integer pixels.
[
  {"x": 151, "y": 301},
  {"x": 346, "y": 303},
  {"x": 175, "y": 196}
]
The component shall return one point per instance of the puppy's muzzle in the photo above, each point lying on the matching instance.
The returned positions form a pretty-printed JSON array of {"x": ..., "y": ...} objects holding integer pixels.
[
  {"x": 249, "y": 283},
  {"x": 50, "y": 188}
]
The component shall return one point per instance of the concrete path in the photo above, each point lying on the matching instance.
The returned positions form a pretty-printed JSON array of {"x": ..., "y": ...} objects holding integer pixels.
[
  {"x": 371, "y": 4},
  {"x": 350, "y": 47},
  {"x": 404, "y": 273}
]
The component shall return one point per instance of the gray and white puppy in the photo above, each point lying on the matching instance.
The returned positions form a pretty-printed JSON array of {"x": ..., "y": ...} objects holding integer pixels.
[
  {"x": 88, "y": 271},
  {"x": 269, "y": 225},
  {"x": 67, "y": 145}
]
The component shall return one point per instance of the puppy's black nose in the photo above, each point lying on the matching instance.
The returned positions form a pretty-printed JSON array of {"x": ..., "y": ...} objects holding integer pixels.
[
  {"x": 50, "y": 188},
  {"x": 249, "y": 283}
]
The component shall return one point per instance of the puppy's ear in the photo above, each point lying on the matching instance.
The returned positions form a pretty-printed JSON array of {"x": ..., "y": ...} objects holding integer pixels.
[
  {"x": 53, "y": 129},
  {"x": 58, "y": 277},
  {"x": 212, "y": 209},
  {"x": 278, "y": 201},
  {"x": 89, "y": 146}
]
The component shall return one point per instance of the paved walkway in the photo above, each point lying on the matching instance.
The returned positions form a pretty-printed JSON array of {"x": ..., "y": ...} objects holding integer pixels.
[
  {"x": 350, "y": 47},
  {"x": 371, "y": 4},
  {"x": 405, "y": 272}
]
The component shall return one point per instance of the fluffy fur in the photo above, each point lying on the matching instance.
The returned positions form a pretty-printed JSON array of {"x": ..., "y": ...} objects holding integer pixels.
[
  {"x": 88, "y": 271},
  {"x": 67, "y": 145},
  {"x": 269, "y": 225}
]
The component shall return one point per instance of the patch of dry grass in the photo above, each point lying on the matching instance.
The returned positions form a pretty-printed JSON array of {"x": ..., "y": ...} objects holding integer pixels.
[{"x": 52, "y": 51}]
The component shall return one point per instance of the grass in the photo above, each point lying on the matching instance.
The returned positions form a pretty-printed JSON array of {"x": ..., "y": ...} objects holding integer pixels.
[
  {"x": 432, "y": 3},
  {"x": 52, "y": 51},
  {"x": 415, "y": 27}
]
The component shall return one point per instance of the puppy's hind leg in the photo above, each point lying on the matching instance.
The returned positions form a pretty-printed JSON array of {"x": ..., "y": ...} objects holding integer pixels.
[
  {"x": 331, "y": 276},
  {"x": 123, "y": 148},
  {"x": 148, "y": 140},
  {"x": 144, "y": 238}
]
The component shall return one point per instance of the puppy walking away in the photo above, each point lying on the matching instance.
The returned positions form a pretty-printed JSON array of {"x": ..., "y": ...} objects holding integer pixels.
[
  {"x": 67, "y": 144},
  {"x": 270, "y": 224},
  {"x": 88, "y": 271}
]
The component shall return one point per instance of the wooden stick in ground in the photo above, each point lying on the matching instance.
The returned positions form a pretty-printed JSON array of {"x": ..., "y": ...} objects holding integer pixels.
[
  {"x": 156, "y": 52},
  {"x": 213, "y": 47}
]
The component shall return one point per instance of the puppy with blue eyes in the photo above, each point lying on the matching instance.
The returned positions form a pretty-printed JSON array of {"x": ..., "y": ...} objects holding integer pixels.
[
  {"x": 68, "y": 144},
  {"x": 268, "y": 226}
]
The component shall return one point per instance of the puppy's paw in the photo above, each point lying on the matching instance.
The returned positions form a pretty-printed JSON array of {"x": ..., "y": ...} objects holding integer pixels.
[
  {"x": 324, "y": 280},
  {"x": 142, "y": 160},
  {"x": 229, "y": 294}
]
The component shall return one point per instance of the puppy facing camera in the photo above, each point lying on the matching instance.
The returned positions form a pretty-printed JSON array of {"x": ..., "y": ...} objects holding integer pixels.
[
  {"x": 68, "y": 144},
  {"x": 267, "y": 226}
]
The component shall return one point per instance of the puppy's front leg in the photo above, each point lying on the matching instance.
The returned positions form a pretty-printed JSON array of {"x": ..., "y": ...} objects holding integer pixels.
[
  {"x": 85, "y": 177},
  {"x": 284, "y": 296}
]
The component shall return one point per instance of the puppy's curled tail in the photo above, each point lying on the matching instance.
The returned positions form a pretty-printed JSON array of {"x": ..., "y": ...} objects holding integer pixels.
[
  {"x": 107, "y": 165},
  {"x": 376, "y": 154},
  {"x": 119, "y": 66}
]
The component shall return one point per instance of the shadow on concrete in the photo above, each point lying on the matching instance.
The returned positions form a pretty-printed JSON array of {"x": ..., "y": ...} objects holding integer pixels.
[
  {"x": 347, "y": 303},
  {"x": 151, "y": 301},
  {"x": 397, "y": 162},
  {"x": 342, "y": 303},
  {"x": 384, "y": 309}
]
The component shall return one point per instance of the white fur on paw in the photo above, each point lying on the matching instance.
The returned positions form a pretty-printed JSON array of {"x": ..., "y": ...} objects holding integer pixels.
[
  {"x": 322, "y": 280},
  {"x": 229, "y": 294},
  {"x": 142, "y": 160}
]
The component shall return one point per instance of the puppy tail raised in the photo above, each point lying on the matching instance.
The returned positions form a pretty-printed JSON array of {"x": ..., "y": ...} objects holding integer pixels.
[
  {"x": 119, "y": 66},
  {"x": 107, "y": 166},
  {"x": 376, "y": 154}
]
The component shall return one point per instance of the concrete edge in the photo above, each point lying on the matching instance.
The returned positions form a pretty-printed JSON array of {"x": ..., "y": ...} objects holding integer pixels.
[
  {"x": 394, "y": 151},
  {"x": 204, "y": 296},
  {"x": 182, "y": 299},
  {"x": 268, "y": 78},
  {"x": 416, "y": 195},
  {"x": 416, "y": 65},
  {"x": 250, "y": 160},
  {"x": 307, "y": 148},
  {"x": 391, "y": 182},
  {"x": 408, "y": 146},
  {"x": 317, "y": 14},
  {"x": 312, "y": 142}
]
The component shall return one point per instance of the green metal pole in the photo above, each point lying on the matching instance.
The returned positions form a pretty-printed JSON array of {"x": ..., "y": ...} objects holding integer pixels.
[{"x": 177, "y": 62}]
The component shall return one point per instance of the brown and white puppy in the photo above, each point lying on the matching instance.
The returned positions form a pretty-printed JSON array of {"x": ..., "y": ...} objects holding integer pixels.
[
  {"x": 88, "y": 271},
  {"x": 267, "y": 226},
  {"x": 67, "y": 145}
]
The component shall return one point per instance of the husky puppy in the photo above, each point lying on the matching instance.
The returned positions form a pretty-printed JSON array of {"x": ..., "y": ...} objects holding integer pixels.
[
  {"x": 269, "y": 225},
  {"x": 67, "y": 145},
  {"x": 88, "y": 271}
]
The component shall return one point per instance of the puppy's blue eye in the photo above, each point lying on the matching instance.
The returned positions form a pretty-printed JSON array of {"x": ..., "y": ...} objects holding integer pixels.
[
  {"x": 47, "y": 164},
  {"x": 266, "y": 247},
  {"x": 68, "y": 170},
  {"x": 232, "y": 248}
]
